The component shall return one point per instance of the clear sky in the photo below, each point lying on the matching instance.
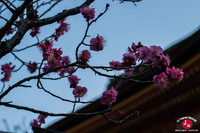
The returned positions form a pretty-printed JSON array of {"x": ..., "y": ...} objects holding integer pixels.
[{"x": 155, "y": 22}]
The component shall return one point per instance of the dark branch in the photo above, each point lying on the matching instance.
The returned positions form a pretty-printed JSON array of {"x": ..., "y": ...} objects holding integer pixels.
[
  {"x": 15, "y": 15},
  {"x": 7, "y": 104},
  {"x": 6, "y": 47},
  {"x": 60, "y": 16}
]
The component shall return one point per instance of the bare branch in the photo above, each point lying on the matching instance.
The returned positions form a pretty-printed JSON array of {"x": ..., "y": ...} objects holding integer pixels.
[
  {"x": 4, "y": 18},
  {"x": 15, "y": 15},
  {"x": 6, "y": 47},
  {"x": 118, "y": 121},
  {"x": 44, "y": 3},
  {"x": 7, "y": 104},
  {"x": 33, "y": 77},
  {"x": 2, "y": 87},
  {"x": 8, "y": 6},
  {"x": 11, "y": 3},
  {"x": 49, "y": 9},
  {"x": 118, "y": 77},
  {"x": 60, "y": 16},
  {"x": 18, "y": 50}
]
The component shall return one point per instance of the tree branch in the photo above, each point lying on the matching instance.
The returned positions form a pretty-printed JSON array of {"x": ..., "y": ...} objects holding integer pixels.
[
  {"x": 62, "y": 15},
  {"x": 8, "y": 6},
  {"x": 7, "y": 104},
  {"x": 15, "y": 15},
  {"x": 6, "y": 47}
]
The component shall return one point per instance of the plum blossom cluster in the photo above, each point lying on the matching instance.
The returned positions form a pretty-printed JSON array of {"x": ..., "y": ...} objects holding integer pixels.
[
  {"x": 54, "y": 58},
  {"x": 109, "y": 97},
  {"x": 64, "y": 27},
  {"x": 153, "y": 55},
  {"x": 73, "y": 79},
  {"x": 88, "y": 13},
  {"x": 6, "y": 70},
  {"x": 32, "y": 67},
  {"x": 97, "y": 44},
  {"x": 164, "y": 78},
  {"x": 35, "y": 31},
  {"x": 39, "y": 121},
  {"x": 84, "y": 56},
  {"x": 144, "y": 54},
  {"x": 79, "y": 91}
]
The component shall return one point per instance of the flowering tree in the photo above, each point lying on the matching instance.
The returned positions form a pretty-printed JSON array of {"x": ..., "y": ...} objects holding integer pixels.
[{"x": 26, "y": 17}]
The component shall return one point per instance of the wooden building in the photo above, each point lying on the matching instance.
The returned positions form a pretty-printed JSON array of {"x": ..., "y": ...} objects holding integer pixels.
[{"x": 159, "y": 108}]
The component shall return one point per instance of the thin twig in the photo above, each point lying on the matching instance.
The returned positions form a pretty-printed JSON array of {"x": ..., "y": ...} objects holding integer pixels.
[
  {"x": 11, "y": 3},
  {"x": 4, "y": 18},
  {"x": 118, "y": 121},
  {"x": 74, "y": 106},
  {"x": 23, "y": 62},
  {"x": 49, "y": 9},
  {"x": 2, "y": 87},
  {"x": 86, "y": 31},
  {"x": 8, "y": 6},
  {"x": 119, "y": 77},
  {"x": 60, "y": 77},
  {"x": 28, "y": 86},
  {"x": 44, "y": 3},
  {"x": 18, "y": 50}
]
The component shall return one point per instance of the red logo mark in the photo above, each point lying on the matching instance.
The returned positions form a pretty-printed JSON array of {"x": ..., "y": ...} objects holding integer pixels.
[{"x": 187, "y": 124}]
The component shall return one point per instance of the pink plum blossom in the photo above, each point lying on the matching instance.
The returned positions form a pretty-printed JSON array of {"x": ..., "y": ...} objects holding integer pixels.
[
  {"x": 84, "y": 56},
  {"x": 35, "y": 123},
  {"x": 175, "y": 73},
  {"x": 97, "y": 43},
  {"x": 154, "y": 52},
  {"x": 139, "y": 45},
  {"x": 41, "y": 118},
  {"x": 79, "y": 91},
  {"x": 161, "y": 62},
  {"x": 143, "y": 53},
  {"x": 45, "y": 46},
  {"x": 64, "y": 27},
  {"x": 164, "y": 60},
  {"x": 57, "y": 53},
  {"x": 73, "y": 79},
  {"x": 52, "y": 55},
  {"x": 66, "y": 60},
  {"x": 38, "y": 122},
  {"x": 6, "y": 70},
  {"x": 32, "y": 67},
  {"x": 115, "y": 64},
  {"x": 87, "y": 13},
  {"x": 109, "y": 96},
  {"x": 35, "y": 31},
  {"x": 161, "y": 80},
  {"x": 129, "y": 59},
  {"x": 132, "y": 49}
]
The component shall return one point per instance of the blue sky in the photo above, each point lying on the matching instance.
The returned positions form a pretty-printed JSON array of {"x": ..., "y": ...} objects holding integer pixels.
[{"x": 156, "y": 22}]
